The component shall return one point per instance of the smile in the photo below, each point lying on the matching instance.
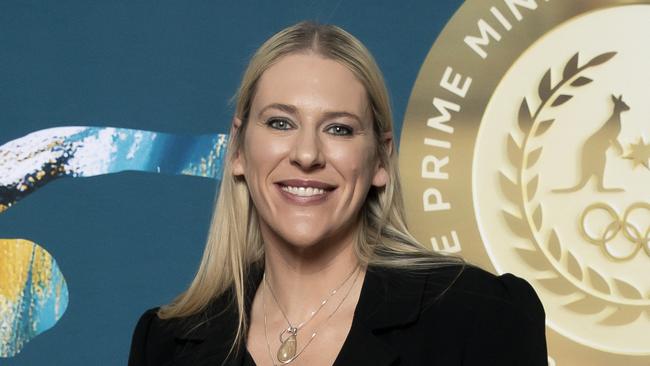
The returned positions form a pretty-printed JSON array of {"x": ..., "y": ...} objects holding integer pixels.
[{"x": 303, "y": 191}]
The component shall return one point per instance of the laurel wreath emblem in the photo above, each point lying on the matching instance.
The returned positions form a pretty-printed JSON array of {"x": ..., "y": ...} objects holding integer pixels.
[{"x": 564, "y": 274}]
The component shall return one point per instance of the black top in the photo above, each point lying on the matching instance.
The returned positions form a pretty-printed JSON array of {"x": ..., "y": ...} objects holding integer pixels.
[
  {"x": 436, "y": 317},
  {"x": 248, "y": 360}
]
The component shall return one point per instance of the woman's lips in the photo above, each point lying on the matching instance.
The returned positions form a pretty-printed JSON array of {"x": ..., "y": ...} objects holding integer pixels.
[
  {"x": 303, "y": 193},
  {"x": 306, "y": 183}
]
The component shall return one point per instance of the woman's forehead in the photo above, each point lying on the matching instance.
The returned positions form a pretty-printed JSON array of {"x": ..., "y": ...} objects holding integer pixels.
[{"x": 310, "y": 82}]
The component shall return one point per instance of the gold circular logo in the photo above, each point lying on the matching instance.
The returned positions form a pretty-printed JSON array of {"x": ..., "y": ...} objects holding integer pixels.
[{"x": 526, "y": 148}]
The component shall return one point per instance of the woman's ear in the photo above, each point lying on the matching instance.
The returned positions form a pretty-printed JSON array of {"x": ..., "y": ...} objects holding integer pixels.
[
  {"x": 238, "y": 160},
  {"x": 381, "y": 177}
]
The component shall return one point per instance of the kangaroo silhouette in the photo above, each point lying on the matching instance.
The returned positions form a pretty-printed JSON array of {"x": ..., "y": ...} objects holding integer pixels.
[{"x": 593, "y": 157}]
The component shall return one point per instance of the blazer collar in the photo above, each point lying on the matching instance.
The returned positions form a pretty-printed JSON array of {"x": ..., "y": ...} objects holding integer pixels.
[{"x": 389, "y": 298}]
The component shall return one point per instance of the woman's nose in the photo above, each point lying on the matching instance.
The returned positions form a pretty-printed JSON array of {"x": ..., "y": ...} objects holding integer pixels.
[{"x": 307, "y": 150}]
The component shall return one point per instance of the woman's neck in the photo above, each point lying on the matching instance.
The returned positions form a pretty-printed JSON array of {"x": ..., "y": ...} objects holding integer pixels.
[{"x": 301, "y": 279}]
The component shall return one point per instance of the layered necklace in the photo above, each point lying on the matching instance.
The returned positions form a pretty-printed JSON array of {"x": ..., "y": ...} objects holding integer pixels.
[{"x": 288, "y": 350}]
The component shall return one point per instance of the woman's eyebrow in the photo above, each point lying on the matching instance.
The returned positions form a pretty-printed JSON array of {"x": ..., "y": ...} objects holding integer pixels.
[
  {"x": 332, "y": 115},
  {"x": 293, "y": 110},
  {"x": 283, "y": 107}
]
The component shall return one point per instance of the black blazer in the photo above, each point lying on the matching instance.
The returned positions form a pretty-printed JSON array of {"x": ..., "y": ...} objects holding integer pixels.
[{"x": 435, "y": 317}]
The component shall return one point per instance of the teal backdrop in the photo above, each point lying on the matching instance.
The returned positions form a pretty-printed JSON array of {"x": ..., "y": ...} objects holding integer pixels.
[{"x": 129, "y": 241}]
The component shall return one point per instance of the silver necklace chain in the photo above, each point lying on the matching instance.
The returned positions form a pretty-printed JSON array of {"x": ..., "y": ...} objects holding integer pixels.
[
  {"x": 291, "y": 328},
  {"x": 313, "y": 335}
]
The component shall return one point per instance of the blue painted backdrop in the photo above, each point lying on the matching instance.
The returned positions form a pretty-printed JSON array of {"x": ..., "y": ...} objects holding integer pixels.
[{"x": 129, "y": 241}]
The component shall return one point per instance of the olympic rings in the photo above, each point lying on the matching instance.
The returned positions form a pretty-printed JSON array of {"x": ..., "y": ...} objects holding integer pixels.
[{"x": 630, "y": 231}]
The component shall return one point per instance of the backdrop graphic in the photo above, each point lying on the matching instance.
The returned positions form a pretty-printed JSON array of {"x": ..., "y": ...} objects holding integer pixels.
[
  {"x": 524, "y": 141},
  {"x": 35, "y": 292}
]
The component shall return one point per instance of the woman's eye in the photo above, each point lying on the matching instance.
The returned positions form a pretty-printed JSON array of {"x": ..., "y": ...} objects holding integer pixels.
[
  {"x": 340, "y": 130},
  {"x": 279, "y": 124}
]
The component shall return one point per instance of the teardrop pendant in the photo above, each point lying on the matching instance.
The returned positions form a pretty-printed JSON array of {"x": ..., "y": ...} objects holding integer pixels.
[{"x": 287, "y": 350}]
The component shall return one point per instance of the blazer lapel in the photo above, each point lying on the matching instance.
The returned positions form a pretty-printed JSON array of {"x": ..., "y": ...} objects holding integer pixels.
[
  {"x": 210, "y": 343},
  {"x": 362, "y": 347},
  {"x": 389, "y": 298}
]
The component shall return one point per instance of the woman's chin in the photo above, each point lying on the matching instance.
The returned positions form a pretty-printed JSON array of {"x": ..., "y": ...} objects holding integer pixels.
[
  {"x": 308, "y": 243},
  {"x": 302, "y": 242},
  {"x": 306, "y": 236}
]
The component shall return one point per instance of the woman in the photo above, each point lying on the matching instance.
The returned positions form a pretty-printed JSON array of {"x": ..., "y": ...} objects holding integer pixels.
[{"x": 308, "y": 259}]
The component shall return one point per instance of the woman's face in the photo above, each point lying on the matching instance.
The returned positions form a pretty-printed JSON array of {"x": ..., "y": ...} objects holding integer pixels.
[{"x": 308, "y": 155}]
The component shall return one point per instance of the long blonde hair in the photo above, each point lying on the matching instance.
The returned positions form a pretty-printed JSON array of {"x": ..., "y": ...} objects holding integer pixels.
[{"x": 234, "y": 241}]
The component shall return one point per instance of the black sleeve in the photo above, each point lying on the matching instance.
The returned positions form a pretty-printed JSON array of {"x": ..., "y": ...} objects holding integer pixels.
[
  {"x": 137, "y": 354},
  {"x": 512, "y": 334}
]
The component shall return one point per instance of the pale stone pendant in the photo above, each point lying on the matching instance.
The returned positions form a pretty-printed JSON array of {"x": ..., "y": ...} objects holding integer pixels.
[{"x": 287, "y": 350}]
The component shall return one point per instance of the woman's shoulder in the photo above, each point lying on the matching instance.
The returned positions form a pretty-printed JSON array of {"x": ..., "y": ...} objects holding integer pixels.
[
  {"x": 464, "y": 282},
  {"x": 464, "y": 289},
  {"x": 469, "y": 313},
  {"x": 155, "y": 339},
  {"x": 151, "y": 326},
  {"x": 486, "y": 313},
  {"x": 476, "y": 287},
  {"x": 150, "y": 336}
]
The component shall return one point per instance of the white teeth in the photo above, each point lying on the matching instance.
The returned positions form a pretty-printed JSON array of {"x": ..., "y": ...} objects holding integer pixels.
[{"x": 303, "y": 192}]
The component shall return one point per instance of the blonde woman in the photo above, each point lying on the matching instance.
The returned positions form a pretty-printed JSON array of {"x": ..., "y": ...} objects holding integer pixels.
[{"x": 308, "y": 259}]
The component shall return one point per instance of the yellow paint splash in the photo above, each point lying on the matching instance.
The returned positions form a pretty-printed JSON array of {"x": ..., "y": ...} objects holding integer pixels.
[
  {"x": 20, "y": 261},
  {"x": 15, "y": 259}
]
